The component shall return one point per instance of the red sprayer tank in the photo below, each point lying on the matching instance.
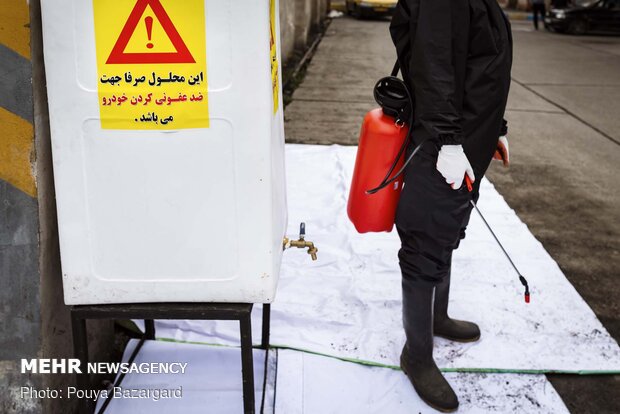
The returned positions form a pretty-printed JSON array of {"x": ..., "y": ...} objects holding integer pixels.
[{"x": 379, "y": 144}]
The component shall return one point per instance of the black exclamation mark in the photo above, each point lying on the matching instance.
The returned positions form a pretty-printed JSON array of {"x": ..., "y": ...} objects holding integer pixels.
[{"x": 149, "y": 30}]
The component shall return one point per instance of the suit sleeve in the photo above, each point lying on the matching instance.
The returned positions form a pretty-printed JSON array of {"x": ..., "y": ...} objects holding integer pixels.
[
  {"x": 400, "y": 31},
  {"x": 431, "y": 70}
]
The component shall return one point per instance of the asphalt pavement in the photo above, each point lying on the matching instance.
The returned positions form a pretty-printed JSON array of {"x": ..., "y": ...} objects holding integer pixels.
[{"x": 564, "y": 134}]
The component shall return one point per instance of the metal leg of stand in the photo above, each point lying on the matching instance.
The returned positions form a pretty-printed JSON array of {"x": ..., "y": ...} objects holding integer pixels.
[
  {"x": 80, "y": 351},
  {"x": 247, "y": 364},
  {"x": 150, "y": 312},
  {"x": 266, "y": 325},
  {"x": 149, "y": 329},
  {"x": 265, "y": 346}
]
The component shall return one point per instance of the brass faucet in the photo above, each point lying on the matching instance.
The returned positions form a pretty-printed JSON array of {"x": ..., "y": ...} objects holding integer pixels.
[{"x": 301, "y": 243}]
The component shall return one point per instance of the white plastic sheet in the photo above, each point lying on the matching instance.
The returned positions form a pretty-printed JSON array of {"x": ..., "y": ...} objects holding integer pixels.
[
  {"x": 314, "y": 384},
  {"x": 304, "y": 383},
  {"x": 211, "y": 383},
  {"x": 348, "y": 303}
]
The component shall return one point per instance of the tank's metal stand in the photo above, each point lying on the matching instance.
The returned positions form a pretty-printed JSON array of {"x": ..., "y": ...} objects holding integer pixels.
[{"x": 151, "y": 311}]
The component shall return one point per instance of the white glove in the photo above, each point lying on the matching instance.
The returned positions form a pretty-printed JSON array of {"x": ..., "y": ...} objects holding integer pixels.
[
  {"x": 502, "y": 153},
  {"x": 453, "y": 164}
]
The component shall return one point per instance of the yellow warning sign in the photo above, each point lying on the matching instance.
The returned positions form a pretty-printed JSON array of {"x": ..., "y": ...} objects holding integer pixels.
[
  {"x": 273, "y": 51},
  {"x": 151, "y": 64}
]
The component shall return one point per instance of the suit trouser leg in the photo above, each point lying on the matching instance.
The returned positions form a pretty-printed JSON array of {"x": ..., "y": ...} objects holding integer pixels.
[{"x": 430, "y": 219}]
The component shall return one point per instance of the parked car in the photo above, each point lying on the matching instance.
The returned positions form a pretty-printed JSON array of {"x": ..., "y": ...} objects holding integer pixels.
[
  {"x": 585, "y": 16},
  {"x": 370, "y": 8}
]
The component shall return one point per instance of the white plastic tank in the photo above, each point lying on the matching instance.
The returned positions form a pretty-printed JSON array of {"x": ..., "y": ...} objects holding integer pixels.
[{"x": 168, "y": 148}]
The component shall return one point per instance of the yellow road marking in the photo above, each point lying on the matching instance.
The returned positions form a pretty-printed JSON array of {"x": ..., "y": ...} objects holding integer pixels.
[
  {"x": 15, "y": 26},
  {"x": 16, "y": 150}
]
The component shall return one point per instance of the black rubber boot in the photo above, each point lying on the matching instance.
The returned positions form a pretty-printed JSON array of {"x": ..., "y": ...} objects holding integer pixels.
[
  {"x": 416, "y": 359},
  {"x": 446, "y": 327}
]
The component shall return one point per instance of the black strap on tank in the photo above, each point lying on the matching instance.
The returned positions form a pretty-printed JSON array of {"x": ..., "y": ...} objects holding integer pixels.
[{"x": 395, "y": 69}]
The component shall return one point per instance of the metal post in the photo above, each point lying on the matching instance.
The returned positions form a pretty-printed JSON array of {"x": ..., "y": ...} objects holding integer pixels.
[
  {"x": 149, "y": 329},
  {"x": 247, "y": 364},
  {"x": 80, "y": 351},
  {"x": 266, "y": 325}
]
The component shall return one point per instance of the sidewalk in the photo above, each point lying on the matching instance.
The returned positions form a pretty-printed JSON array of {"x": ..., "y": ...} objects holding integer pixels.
[
  {"x": 329, "y": 105},
  {"x": 336, "y": 93}
]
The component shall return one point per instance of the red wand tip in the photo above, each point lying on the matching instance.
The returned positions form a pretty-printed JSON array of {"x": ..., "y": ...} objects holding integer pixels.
[{"x": 525, "y": 285}]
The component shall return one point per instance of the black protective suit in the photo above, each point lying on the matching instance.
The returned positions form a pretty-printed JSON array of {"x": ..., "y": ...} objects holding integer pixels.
[{"x": 455, "y": 56}]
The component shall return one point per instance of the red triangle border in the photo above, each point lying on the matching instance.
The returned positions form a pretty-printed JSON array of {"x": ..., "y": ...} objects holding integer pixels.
[{"x": 118, "y": 55}]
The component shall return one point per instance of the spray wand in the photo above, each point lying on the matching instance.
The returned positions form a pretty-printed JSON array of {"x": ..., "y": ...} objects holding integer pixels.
[{"x": 521, "y": 278}]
